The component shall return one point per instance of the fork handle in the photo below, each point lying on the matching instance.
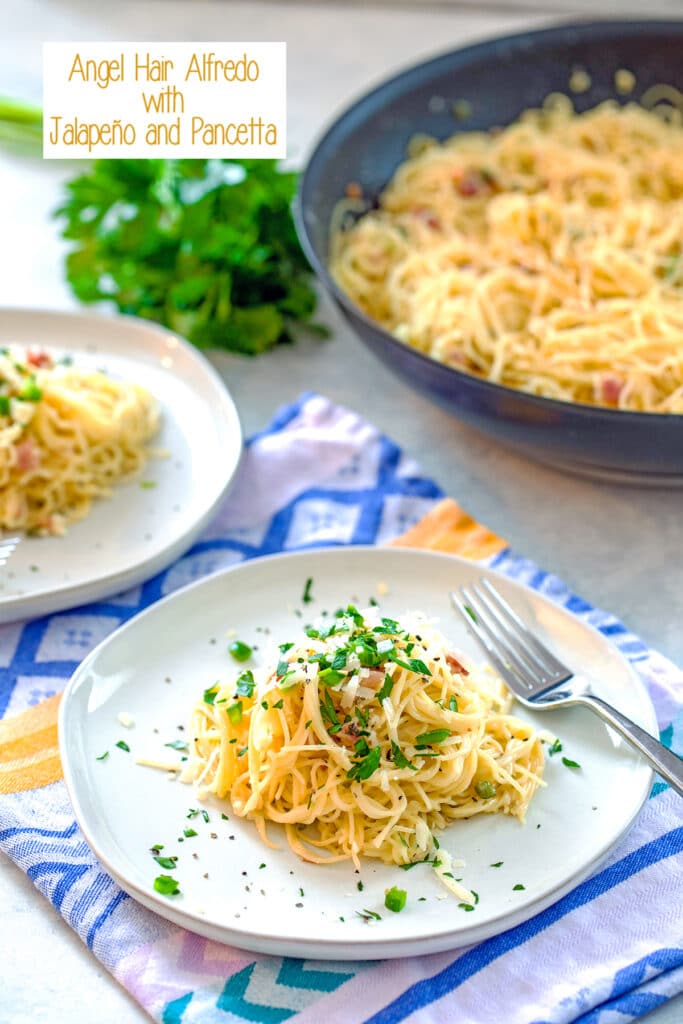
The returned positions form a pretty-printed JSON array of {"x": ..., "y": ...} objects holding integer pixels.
[{"x": 664, "y": 761}]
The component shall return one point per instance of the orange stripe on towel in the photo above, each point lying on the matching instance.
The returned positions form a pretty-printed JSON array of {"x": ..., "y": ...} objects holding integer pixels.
[
  {"x": 447, "y": 528},
  {"x": 29, "y": 757}
]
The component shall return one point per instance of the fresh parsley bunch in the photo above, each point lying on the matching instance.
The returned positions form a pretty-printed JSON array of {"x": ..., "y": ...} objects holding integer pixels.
[{"x": 206, "y": 247}]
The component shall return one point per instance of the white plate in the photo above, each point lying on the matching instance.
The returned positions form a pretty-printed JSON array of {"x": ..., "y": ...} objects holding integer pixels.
[
  {"x": 157, "y": 666},
  {"x": 138, "y": 531}
]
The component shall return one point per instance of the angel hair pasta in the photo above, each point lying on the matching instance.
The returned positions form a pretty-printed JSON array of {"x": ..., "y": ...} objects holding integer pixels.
[
  {"x": 66, "y": 436},
  {"x": 546, "y": 256},
  {"x": 363, "y": 738}
]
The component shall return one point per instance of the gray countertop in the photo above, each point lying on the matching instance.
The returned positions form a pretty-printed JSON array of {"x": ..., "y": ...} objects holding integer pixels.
[{"x": 619, "y": 547}]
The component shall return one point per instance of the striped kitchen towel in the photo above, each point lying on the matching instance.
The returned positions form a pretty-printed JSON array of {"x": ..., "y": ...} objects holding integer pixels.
[{"x": 320, "y": 475}]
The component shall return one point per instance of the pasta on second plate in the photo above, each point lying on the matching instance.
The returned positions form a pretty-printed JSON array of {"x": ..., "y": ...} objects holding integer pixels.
[{"x": 66, "y": 436}]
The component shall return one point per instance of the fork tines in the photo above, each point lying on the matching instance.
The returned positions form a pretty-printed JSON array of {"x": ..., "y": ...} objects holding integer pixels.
[{"x": 526, "y": 664}]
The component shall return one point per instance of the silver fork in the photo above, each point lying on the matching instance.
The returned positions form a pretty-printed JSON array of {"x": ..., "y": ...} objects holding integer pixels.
[
  {"x": 8, "y": 546},
  {"x": 539, "y": 680}
]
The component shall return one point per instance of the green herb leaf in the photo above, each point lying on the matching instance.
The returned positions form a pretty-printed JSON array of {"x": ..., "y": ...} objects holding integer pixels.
[
  {"x": 369, "y": 915},
  {"x": 166, "y": 862},
  {"x": 555, "y": 748},
  {"x": 122, "y": 745},
  {"x": 498, "y": 864},
  {"x": 283, "y": 648},
  {"x": 189, "y": 833},
  {"x": 103, "y": 757},
  {"x": 177, "y": 745},
  {"x": 395, "y": 899},
  {"x": 516, "y": 888},
  {"x": 400, "y": 759},
  {"x": 211, "y": 694},
  {"x": 426, "y": 739},
  {"x": 329, "y": 713},
  {"x": 367, "y": 767},
  {"x": 240, "y": 651},
  {"x": 166, "y": 885},
  {"x": 570, "y": 764},
  {"x": 307, "y": 597},
  {"x": 387, "y": 687},
  {"x": 452, "y": 704},
  {"x": 466, "y": 906},
  {"x": 412, "y": 664},
  {"x": 206, "y": 247},
  {"x": 245, "y": 684}
]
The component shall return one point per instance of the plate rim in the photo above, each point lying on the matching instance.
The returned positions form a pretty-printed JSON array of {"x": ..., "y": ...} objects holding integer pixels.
[
  {"x": 324, "y": 949},
  {"x": 69, "y": 595}
]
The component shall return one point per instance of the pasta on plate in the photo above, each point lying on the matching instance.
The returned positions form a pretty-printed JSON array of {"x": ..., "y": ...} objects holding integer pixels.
[
  {"x": 546, "y": 256},
  {"x": 67, "y": 435},
  {"x": 364, "y": 737}
]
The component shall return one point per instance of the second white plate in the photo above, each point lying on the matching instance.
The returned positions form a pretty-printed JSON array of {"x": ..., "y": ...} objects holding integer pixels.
[
  {"x": 139, "y": 530},
  {"x": 235, "y": 889}
]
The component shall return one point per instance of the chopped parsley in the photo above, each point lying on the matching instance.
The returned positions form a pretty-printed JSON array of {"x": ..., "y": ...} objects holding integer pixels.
[
  {"x": 307, "y": 596},
  {"x": 245, "y": 684},
  {"x": 426, "y": 739},
  {"x": 166, "y": 862},
  {"x": 395, "y": 899},
  {"x": 329, "y": 713},
  {"x": 211, "y": 694},
  {"x": 413, "y": 664},
  {"x": 518, "y": 887},
  {"x": 366, "y": 767},
  {"x": 359, "y": 885},
  {"x": 498, "y": 864},
  {"x": 279, "y": 705},
  {"x": 470, "y": 612},
  {"x": 189, "y": 833},
  {"x": 452, "y": 704},
  {"x": 240, "y": 651},
  {"x": 369, "y": 915},
  {"x": 177, "y": 745},
  {"x": 103, "y": 757},
  {"x": 435, "y": 863},
  {"x": 570, "y": 764},
  {"x": 555, "y": 748},
  {"x": 466, "y": 906},
  {"x": 387, "y": 687},
  {"x": 122, "y": 745},
  {"x": 400, "y": 759},
  {"x": 166, "y": 885}
]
